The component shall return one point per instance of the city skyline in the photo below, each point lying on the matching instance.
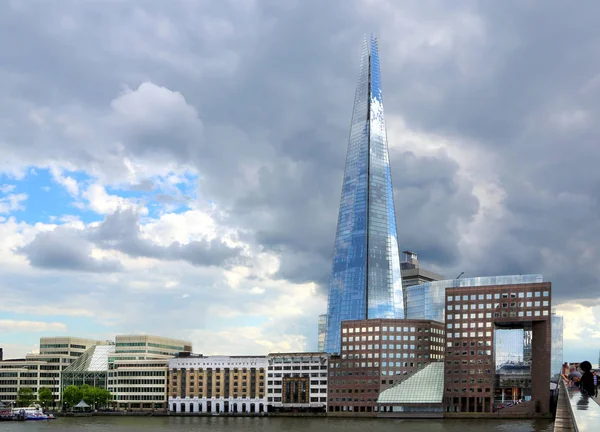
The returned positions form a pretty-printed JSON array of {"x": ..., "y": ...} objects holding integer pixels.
[
  {"x": 177, "y": 170},
  {"x": 365, "y": 280}
]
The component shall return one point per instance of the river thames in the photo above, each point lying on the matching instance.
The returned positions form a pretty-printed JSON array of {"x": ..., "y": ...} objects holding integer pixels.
[{"x": 274, "y": 424}]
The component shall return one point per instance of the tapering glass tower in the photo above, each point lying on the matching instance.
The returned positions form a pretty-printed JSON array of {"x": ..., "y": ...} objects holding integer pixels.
[{"x": 365, "y": 277}]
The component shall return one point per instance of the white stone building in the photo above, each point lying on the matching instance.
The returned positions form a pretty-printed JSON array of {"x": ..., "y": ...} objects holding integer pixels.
[{"x": 297, "y": 382}]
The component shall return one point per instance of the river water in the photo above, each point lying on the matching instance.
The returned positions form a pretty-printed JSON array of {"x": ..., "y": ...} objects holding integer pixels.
[{"x": 272, "y": 424}]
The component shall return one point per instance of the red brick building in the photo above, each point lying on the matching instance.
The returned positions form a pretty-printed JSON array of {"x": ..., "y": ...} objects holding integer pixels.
[
  {"x": 375, "y": 354},
  {"x": 472, "y": 316}
]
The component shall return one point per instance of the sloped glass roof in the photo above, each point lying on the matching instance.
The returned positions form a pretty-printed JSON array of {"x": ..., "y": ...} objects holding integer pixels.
[
  {"x": 94, "y": 359},
  {"x": 424, "y": 386}
]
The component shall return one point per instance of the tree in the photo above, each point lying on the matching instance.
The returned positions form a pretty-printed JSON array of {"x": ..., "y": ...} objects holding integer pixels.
[
  {"x": 45, "y": 397},
  {"x": 72, "y": 395},
  {"x": 103, "y": 396},
  {"x": 95, "y": 396},
  {"x": 25, "y": 397}
]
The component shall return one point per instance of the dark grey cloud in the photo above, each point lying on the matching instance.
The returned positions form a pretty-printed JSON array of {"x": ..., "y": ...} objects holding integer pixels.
[
  {"x": 271, "y": 86},
  {"x": 69, "y": 248},
  {"x": 65, "y": 249}
]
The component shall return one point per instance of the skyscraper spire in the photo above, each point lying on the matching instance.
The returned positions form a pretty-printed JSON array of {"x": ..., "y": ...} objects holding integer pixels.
[{"x": 365, "y": 277}]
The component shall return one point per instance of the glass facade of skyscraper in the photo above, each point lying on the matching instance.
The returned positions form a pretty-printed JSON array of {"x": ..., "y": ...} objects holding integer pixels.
[
  {"x": 365, "y": 277},
  {"x": 427, "y": 301},
  {"x": 556, "y": 360},
  {"x": 322, "y": 331}
]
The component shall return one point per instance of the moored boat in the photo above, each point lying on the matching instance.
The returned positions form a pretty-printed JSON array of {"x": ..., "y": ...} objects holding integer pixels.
[{"x": 30, "y": 413}]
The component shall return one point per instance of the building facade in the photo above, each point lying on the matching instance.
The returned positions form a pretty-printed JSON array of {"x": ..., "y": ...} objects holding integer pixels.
[
  {"x": 474, "y": 315},
  {"x": 138, "y": 370},
  {"x": 428, "y": 300},
  {"x": 321, "y": 332},
  {"x": 297, "y": 382},
  {"x": 217, "y": 384},
  {"x": 365, "y": 278},
  {"x": 375, "y": 355},
  {"x": 43, "y": 369},
  {"x": 413, "y": 273},
  {"x": 557, "y": 345}
]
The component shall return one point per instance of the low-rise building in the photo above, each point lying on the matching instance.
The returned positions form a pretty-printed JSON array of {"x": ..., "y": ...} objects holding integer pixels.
[
  {"x": 138, "y": 370},
  {"x": 217, "y": 384},
  {"x": 297, "y": 382},
  {"x": 375, "y": 355},
  {"x": 44, "y": 369}
]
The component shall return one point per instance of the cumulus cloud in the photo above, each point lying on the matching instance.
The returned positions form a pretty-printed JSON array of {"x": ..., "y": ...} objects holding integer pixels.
[
  {"x": 492, "y": 142},
  {"x": 66, "y": 249},
  {"x": 71, "y": 249},
  {"x": 12, "y": 202},
  {"x": 11, "y": 326}
]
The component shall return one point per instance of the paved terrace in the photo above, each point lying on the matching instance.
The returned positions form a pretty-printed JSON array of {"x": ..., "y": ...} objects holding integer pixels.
[{"x": 576, "y": 412}]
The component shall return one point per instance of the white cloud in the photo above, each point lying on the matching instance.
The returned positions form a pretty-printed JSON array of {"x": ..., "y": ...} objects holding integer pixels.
[
  {"x": 104, "y": 203},
  {"x": 69, "y": 183},
  {"x": 6, "y": 188},
  {"x": 12, "y": 202},
  {"x": 153, "y": 106},
  {"x": 13, "y": 326}
]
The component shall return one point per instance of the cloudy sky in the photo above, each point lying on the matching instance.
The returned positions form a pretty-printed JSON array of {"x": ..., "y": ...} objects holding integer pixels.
[{"x": 175, "y": 168}]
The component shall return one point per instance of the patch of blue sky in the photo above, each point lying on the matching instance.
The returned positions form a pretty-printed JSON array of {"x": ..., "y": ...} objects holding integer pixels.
[
  {"x": 80, "y": 326},
  {"x": 47, "y": 201}
]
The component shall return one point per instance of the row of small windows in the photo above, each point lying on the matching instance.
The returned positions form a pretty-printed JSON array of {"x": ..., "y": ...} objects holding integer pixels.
[
  {"x": 140, "y": 397},
  {"x": 472, "y": 297},
  {"x": 469, "y": 334},
  {"x": 472, "y": 325},
  {"x": 298, "y": 375},
  {"x": 474, "y": 306},
  {"x": 124, "y": 373},
  {"x": 136, "y": 381},
  {"x": 473, "y": 343},
  {"x": 390, "y": 329}
]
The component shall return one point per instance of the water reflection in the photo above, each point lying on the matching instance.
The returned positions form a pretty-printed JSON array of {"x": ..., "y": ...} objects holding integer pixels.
[{"x": 274, "y": 424}]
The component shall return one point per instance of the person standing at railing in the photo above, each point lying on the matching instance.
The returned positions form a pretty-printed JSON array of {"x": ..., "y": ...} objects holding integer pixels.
[
  {"x": 574, "y": 377},
  {"x": 565, "y": 372},
  {"x": 595, "y": 373},
  {"x": 587, "y": 379}
]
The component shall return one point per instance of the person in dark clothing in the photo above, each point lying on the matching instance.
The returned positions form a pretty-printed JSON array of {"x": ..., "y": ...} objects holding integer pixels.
[{"x": 587, "y": 379}]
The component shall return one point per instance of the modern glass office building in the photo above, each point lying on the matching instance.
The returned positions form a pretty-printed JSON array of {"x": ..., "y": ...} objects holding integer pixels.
[
  {"x": 427, "y": 301},
  {"x": 365, "y": 277},
  {"x": 556, "y": 359}
]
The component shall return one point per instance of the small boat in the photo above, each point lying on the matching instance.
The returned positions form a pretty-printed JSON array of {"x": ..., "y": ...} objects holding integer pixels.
[{"x": 31, "y": 413}]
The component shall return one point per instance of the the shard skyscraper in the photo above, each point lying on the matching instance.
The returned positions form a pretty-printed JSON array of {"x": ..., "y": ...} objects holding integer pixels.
[{"x": 365, "y": 277}]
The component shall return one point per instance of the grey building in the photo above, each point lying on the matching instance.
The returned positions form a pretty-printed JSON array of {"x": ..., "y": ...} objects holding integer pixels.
[{"x": 413, "y": 273}]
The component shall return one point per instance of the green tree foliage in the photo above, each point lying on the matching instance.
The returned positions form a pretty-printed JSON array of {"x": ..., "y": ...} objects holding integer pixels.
[
  {"x": 72, "y": 395},
  {"x": 25, "y": 397},
  {"x": 45, "y": 397},
  {"x": 93, "y": 396}
]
